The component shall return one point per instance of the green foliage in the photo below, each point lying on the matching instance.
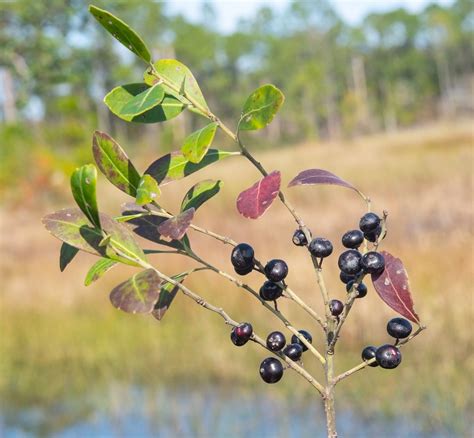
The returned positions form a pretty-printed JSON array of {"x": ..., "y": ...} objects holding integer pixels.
[
  {"x": 66, "y": 255},
  {"x": 197, "y": 144},
  {"x": 148, "y": 190},
  {"x": 83, "y": 187},
  {"x": 99, "y": 268},
  {"x": 167, "y": 295},
  {"x": 200, "y": 193},
  {"x": 144, "y": 101}
]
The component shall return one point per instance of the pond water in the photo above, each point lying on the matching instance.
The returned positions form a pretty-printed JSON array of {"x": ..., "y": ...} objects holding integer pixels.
[{"x": 124, "y": 411}]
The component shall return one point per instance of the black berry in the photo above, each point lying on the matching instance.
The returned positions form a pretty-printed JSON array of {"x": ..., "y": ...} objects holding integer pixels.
[
  {"x": 345, "y": 278},
  {"x": 242, "y": 256},
  {"x": 369, "y": 222},
  {"x": 361, "y": 289},
  {"x": 388, "y": 356},
  {"x": 372, "y": 236},
  {"x": 399, "y": 328},
  {"x": 306, "y": 335},
  {"x": 244, "y": 271},
  {"x": 293, "y": 351},
  {"x": 320, "y": 247},
  {"x": 270, "y": 291},
  {"x": 271, "y": 370},
  {"x": 241, "y": 334},
  {"x": 276, "y": 270},
  {"x": 299, "y": 238},
  {"x": 276, "y": 341},
  {"x": 349, "y": 261},
  {"x": 369, "y": 353},
  {"x": 336, "y": 307},
  {"x": 353, "y": 239},
  {"x": 372, "y": 262}
]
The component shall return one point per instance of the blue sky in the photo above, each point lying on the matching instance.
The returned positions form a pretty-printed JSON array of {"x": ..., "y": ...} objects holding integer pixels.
[{"x": 229, "y": 11}]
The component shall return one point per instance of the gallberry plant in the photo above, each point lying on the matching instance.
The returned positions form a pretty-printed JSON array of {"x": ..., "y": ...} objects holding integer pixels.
[{"x": 167, "y": 89}]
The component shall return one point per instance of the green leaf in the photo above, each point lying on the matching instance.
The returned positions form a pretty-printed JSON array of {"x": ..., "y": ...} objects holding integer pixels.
[
  {"x": 114, "y": 163},
  {"x": 175, "y": 165},
  {"x": 260, "y": 108},
  {"x": 66, "y": 255},
  {"x": 71, "y": 226},
  {"x": 119, "y": 97},
  {"x": 197, "y": 144},
  {"x": 139, "y": 294},
  {"x": 200, "y": 193},
  {"x": 144, "y": 101},
  {"x": 121, "y": 32},
  {"x": 178, "y": 81},
  {"x": 83, "y": 184},
  {"x": 148, "y": 190},
  {"x": 98, "y": 269},
  {"x": 167, "y": 294}
]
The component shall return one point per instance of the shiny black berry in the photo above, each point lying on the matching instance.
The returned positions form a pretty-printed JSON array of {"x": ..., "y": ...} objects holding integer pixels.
[
  {"x": 399, "y": 328},
  {"x": 353, "y": 239},
  {"x": 306, "y": 335},
  {"x": 372, "y": 236},
  {"x": 244, "y": 271},
  {"x": 276, "y": 270},
  {"x": 293, "y": 351},
  {"x": 320, "y": 247},
  {"x": 345, "y": 278},
  {"x": 271, "y": 370},
  {"x": 388, "y": 356},
  {"x": 241, "y": 334},
  {"x": 299, "y": 238},
  {"x": 369, "y": 222},
  {"x": 361, "y": 289},
  {"x": 242, "y": 256},
  {"x": 349, "y": 261},
  {"x": 270, "y": 291},
  {"x": 372, "y": 262},
  {"x": 369, "y": 353},
  {"x": 276, "y": 341},
  {"x": 336, "y": 307}
]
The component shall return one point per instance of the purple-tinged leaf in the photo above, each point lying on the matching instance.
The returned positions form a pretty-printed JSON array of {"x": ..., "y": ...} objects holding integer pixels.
[
  {"x": 139, "y": 294},
  {"x": 253, "y": 202},
  {"x": 319, "y": 176},
  {"x": 175, "y": 228},
  {"x": 393, "y": 287}
]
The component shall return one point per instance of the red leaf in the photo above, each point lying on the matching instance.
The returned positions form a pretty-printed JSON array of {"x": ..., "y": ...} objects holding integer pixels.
[
  {"x": 175, "y": 228},
  {"x": 318, "y": 176},
  {"x": 253, "y": 202},
  {"x": 393, "y": 287}
]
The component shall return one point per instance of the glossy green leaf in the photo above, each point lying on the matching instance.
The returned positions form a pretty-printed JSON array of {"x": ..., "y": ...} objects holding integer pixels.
[
  {"x": 175, "y": 165},
  {"x": 260, "y": 108},
  {"x": 178, "y": 81},
  {"x": 197, "y": 144},
  {"x": 200, "y": 193},
  {"x": 148, "y": 190},
  {"x": 83, "y": 187},
  {"x": 119, "y": 97},
  {"x": 139, "y": 294},
  {"x": 71, "y": 226},
  {"x": 114, "y": 163},
  {"x": 66, "y": 255},
  {"x": 98, "y": 269},
  {"x": 144, "y": 101},
  {"x": 121, "y": 32}
]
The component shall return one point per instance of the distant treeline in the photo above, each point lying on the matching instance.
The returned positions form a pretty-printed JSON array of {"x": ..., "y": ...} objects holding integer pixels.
[{"x": 395, "y": 69}]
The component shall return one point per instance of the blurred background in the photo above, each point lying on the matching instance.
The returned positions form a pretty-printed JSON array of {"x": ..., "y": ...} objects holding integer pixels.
[{"x": 380, "y": 93}]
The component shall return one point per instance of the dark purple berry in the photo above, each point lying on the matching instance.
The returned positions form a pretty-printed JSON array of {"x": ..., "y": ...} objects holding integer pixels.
[
  {"x": 299, "y": 238},
  {"x": 242, "y": 256},
  {"x": 372, "y": 262},
  {"x": 271, "y": 370},
  {"x": 353, "y": 239},
  {"x": 372, "y": 236},
  {"x": 361, "y": 289},
  {"x": 336, "y": 307},
  {"x": 369, "y": 222},
  {"x": 276, "y": 341},
  {"x": 270, "y": 291},
  {"x": 320, "y": 247},
  {"x": 276, "y": 270},
  {"x": 399, "y": 328},
  {"x": 241, "y": 334},
  {"x": 244, "y": 271},
  {"x": 388, "y": 356},
  {"x": 349, "y": 261},
  {"x": 345, "y": 278},
  {"x": 369, "y": 353},
  {"x": 306, "y": 335},
  {"x": 293, "y": 351}
]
